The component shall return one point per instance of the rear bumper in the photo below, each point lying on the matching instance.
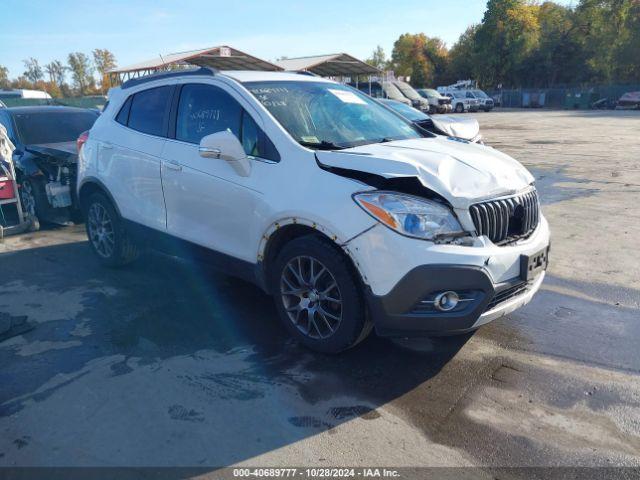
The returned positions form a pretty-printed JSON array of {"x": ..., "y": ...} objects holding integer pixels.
[{"x": 403, "y": 312}]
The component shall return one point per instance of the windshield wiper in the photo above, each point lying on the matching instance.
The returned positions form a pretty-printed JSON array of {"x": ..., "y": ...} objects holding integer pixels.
[{"x": 323, "y": 145}]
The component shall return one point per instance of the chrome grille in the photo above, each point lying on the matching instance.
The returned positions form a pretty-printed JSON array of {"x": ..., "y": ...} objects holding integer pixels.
[{"x": 509, "y": 219}]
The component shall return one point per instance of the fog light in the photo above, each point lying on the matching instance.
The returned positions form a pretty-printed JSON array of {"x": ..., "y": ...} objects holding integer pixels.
[{"x": 446, "y": 301}]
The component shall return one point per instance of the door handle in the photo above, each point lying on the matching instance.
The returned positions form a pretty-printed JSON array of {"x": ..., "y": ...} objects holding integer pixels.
[
  {"x": 173, "y": 166},
  {"x": 107, "y": 146},
  {"x": 209, "y": 152}
]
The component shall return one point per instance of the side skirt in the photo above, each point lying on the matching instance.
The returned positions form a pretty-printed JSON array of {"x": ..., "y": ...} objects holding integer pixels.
[{"x": 170, "y": 245}]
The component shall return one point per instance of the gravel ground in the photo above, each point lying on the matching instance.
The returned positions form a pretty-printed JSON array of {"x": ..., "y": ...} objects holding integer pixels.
[{"x": 165, "y": 364}]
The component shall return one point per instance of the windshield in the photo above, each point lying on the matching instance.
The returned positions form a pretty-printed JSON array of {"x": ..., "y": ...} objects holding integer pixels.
[
  {"x": 408, "y": 90},
  {"x": 392, "y": 91},
  {"x": 429, "y": 92},
  {"x": 480, "y": 94},
  {"x": 406, "y": 111},
  {"x": 52, "y": 127},
  {"x": 329, "y": 116}
]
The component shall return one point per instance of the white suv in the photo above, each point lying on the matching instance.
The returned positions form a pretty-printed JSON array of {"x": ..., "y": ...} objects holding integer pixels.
[{"x": 337, "y": 206}]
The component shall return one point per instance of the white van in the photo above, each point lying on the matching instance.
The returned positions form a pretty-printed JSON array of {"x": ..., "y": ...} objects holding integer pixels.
[{"x": 23, "y": 93}]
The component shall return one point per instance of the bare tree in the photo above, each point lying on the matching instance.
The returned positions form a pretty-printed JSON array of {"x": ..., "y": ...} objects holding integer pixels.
[
  {"x": 56, "y": 71},
  {"x": 33, "y": 71}
]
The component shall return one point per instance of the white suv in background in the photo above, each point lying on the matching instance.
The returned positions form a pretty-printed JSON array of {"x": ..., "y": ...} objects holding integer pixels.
[
  {"x": 461, "y": 102},
  {"x": 346, "y": 213}
]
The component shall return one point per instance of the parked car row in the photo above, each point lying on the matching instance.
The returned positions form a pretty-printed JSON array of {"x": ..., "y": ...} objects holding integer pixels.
[
  {"x": 350, "y": 215},
  {"x": 425, "y": 100},
  {"x": 461, "y": 128}
]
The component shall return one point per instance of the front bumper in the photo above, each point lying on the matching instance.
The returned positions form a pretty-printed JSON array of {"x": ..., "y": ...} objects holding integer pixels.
[
  {"x": 402, "y": 312},
  {"x": 403, "y": 276}
]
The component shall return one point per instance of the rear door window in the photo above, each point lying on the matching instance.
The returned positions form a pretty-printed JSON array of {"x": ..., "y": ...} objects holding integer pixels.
[{"x": 149, "y": 111}]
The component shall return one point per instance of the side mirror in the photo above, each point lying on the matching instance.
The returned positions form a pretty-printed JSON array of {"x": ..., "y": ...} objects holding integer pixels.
[{"x": 226, "y": 146}]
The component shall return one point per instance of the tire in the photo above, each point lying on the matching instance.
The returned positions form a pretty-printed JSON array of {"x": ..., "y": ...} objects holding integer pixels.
[
  {"x": 327, "y": 326},
  {"x": 33, "y": 199},
  {"x": 107, "y": 234},
  {"x": 459, "y": 108}
]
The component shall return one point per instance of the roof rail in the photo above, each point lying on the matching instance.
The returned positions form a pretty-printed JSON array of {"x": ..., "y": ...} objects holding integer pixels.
[{"x": 174, "y": 73}]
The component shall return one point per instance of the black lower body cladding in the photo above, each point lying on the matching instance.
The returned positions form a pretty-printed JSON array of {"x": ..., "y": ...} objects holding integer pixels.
[{"x": 400, "y": 314}]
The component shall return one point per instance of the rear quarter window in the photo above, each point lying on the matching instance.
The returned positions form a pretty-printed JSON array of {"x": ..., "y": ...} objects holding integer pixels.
[{"x": 149, "y": 111}]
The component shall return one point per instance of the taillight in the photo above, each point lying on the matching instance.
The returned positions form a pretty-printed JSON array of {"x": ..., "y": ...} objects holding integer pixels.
[{"x": 82, "y": 139}]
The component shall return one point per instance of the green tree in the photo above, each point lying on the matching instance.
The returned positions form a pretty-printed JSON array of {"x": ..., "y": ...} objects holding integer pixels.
[
  {"x": 508, "y": 34},
  {"x": 627, "y": 55},
  {"x": 463, "y": 62},
  {"x": 608, "y": 37},
  {"x": 4, "y": 77},
  {"x": 81, "y": 72},
  {"x": 378, "y": 59},
  {"x": 419, "y": 57},
  {"x": 104, "y": 61},
  {"x": 437, "y": 54},
  {"x": 33, "y": 71}
]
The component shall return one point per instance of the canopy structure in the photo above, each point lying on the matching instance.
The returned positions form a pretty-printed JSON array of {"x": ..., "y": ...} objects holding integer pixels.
[
  {"x": 221, "y": 58},
  {"x": 333, "y": 65}
]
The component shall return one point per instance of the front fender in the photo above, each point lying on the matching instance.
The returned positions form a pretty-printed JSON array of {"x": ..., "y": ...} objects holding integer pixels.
[{"x": 27, "y": 165}]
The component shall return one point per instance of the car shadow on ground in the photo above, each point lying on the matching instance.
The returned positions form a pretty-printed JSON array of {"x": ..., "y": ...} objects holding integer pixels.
[{"x": 161, "y": 314}]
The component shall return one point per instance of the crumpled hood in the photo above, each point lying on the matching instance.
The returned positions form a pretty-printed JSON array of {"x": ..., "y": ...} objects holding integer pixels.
[
  {"x": 467, "y": 128},
  {"x": 461, "y": 172}
]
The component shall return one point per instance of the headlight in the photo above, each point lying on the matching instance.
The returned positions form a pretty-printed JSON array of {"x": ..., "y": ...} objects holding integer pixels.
[{"x": 412, "y": 216}]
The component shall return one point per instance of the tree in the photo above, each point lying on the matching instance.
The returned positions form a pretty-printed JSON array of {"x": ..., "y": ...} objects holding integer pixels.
[
  {"x": 378, "y": 59},
  {"x": 463, "y": 63},
  {"x": 626, "y": 55},
  {"x": 56, "y": 71},
  {"x": 437, "y": 55},
  {"x": 33, "y": 71},
  {"x": 4, "y": 77},
  {"x": 104, "y": 61},
  {"x": 509, "y": 32},
  {"x": 409, "y": 60},
  {"x": 81, "y": 72},
  {"x": 609, "y": 35}
]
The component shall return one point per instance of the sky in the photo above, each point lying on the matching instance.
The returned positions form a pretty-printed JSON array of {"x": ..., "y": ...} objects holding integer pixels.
[{"x": 139, "y": 30}]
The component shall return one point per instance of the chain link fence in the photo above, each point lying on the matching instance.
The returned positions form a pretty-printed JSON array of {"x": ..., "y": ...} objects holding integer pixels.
[{"x": 569, "y": 97}]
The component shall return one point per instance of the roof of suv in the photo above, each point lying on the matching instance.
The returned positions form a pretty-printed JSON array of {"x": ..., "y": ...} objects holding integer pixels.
[
  {"x": 47, "y": 109},
  {"x": 239, "y": 75},
  {"x": 260, "y": 76}
]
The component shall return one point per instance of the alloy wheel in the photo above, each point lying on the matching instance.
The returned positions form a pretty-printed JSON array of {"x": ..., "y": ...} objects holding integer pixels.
[
  {"x": 101, "y": 233},
  {"x": 311, "y": 297}
]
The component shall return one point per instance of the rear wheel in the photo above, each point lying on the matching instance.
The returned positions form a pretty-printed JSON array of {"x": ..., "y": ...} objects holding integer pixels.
[
  {"x": 318, "y": 295},
  {"x": 108, "y": 237},
  {"x": 32, "y": 196}
]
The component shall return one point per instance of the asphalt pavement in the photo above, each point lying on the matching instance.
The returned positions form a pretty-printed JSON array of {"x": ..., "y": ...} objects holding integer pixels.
[{"x": 165, "y": 363}]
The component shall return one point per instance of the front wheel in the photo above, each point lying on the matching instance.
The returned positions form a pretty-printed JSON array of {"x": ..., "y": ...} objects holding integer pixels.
[
  {"x": 108, "y": 237},
  {"x": 318, "y": 295},
  {"x": 459, "y": 108}
]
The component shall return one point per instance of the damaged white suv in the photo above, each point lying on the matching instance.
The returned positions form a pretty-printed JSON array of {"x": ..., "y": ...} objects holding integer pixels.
[{"x": 342, "y": 210}]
